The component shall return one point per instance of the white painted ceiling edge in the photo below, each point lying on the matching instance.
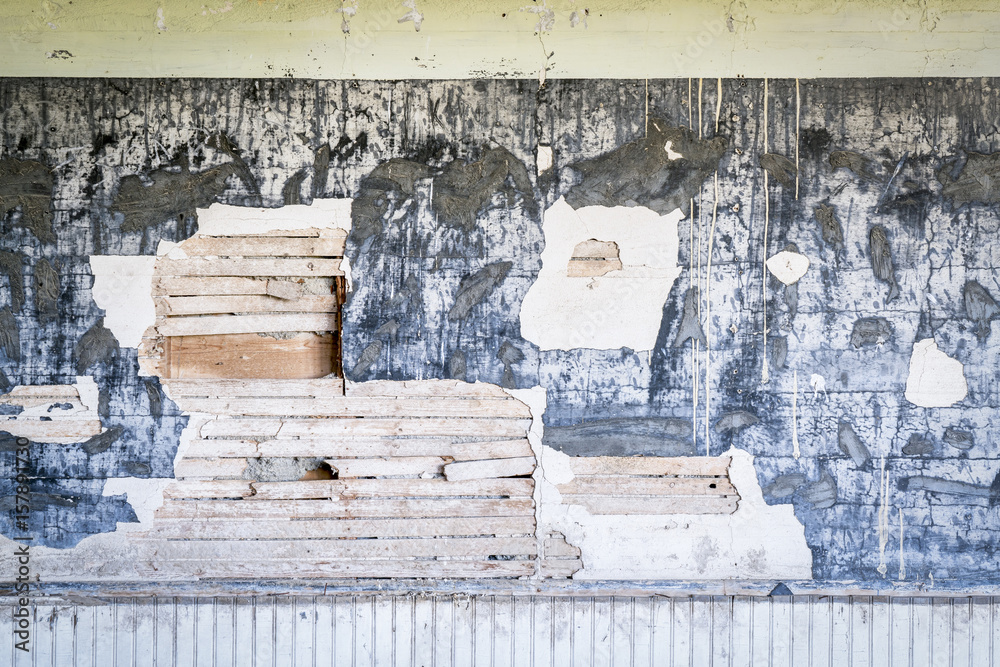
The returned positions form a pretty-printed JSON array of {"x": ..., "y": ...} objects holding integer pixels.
[{"x": 507, "y": 39}]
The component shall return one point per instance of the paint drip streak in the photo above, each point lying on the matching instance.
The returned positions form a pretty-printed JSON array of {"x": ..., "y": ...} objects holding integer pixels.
[{"x": 765, "y": 375}]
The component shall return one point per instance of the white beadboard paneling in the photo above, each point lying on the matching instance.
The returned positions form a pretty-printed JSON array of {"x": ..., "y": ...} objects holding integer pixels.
[{"x": 400, "y": 630}]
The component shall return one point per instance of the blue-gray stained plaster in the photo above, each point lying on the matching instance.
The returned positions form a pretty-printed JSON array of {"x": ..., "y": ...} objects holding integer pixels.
[{"x": 438, "y": 284}]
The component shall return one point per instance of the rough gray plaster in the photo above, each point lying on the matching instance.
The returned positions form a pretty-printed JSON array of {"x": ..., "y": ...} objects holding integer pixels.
[
  {"x": 46, "y": 291},
  {"x": 474, "y": 288},
  {"x": 971, "y": 179},
  {"x": 881, "y": 259},
  {"x": 690, "y": 327},
  {"x": 780, "y": 168},
  {"x": 871, "y": 331},
  {"x": 26, "y": 185},
  {"x": 97, "y": 345},
  {"x": 851, "y": 445},
  {"x": 10, "y": 265},
  {"x": 616, "y": 437},
  {"x": 280, "y": 469},
  {"x": 642, "y": 171}
]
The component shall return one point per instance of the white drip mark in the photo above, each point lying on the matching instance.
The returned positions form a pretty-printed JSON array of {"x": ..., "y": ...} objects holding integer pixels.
[
  {"x": 708, "y": 311},
  {"x": 690, "y": 107},
  {"x": 765, "y": 375},
  {"x": 902, "y": 560},
  {"x": 883, "y": 517},
  {"x": 718, "y": 102},
  {"x": 699, "y": 109},
  {"x": 795, "y": 417},
  {"x": 798, "y": 108}
]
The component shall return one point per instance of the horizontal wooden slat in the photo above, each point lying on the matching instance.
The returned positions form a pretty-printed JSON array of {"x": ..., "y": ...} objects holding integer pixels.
[
  {"x": 388, "y": 466},
  {"x": 360, "y": 447},
  {"x": 199, "y": 266},
  {"x": 225, "y": 488},
  {"x": 649, "y": 486},
  {"x": 40, "y": 391},
  {"x": 348, "y": 508},
  {"x": 306, "y": 355},
  {"x": 195, "y": 286},
  {"x": 425, "y": 388},
  {"x": 645, "y": 505},
  {"x": 67, "y": 429},
  {"x": 249, "y": 529},
  {"x": 649, "y": 465},
  {"x": 558, "y": 547},
  {"x": 586, "y": 268},
  {"x": 336, "y": 427},
  {"x": 349, "y": 406},
  {"x": 307, "y": 550},
  {"x": 382, "y": 569},
  {"x": 325, "y": 387},
  {"x": 207, "y": 325},
  {"x": 208, "y": 468},
  {"x": 557, "y": 568},
  {"x": 391, "y": 488},
  {"x": 265, "y": 246},
  {"x": 247, "y": 303},
  {"x": 512, "y": 467}
]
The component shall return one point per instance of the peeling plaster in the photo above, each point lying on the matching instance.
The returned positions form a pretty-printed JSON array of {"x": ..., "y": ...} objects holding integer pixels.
[
  {"x": 758, "y": 541},
  {"x": 788, "y": 267},
  {"x": 619, "y": 309},
  {"x": 935, "y": 380},
  {"x": 321, "y": 214},
  {"x": 123, "y": 288}
]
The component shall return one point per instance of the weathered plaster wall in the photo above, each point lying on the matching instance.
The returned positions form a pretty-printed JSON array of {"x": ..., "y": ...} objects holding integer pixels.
[
  {"x": 883, "y": 185},
  {"x": 393, "y": 39}
]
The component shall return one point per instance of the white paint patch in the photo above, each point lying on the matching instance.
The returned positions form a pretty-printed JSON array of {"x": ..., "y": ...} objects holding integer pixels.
[
  {"x": 935, "y": 380},
  {"x": 123, "y": 288},
  {"x": 322, "y": 214},
  {"x": 619, "y": 309},
  {"x": 818, "y": 384},
  {"x": 90, "y": 394},
  {"x": 161, "y": 24},
  {"x": 144, "y": 495},
  {"x": 757, "y": 541},
  {"x": 788, "y": 266},
  {"x": 543, "y": 159},
  {"x": 671, "y": 153}
]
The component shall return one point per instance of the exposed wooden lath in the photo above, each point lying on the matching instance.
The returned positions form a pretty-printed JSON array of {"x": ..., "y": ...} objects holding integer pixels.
[{"x": 254, "y": 306}]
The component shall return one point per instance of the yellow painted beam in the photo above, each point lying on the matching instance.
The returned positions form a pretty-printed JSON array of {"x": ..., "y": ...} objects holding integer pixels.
[{"x": 500, "y": 39}]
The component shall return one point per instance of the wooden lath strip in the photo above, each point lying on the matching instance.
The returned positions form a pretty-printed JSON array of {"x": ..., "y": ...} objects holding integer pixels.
[
  {"x": 209, "y": 286},
  {"x": 265, "y": 246},
  {"x": 345, "y": 508},
  {"x": 313, "y": 550},
  {"x": 356, "y": 447},
  {"x": 175, "y": 306},
  {"x": 649, "y": 486},
  {"x": 293, "y": 266},
  {"x": 206, "y": 325},
  {"x": 219, "y": 388},
  {"x": 388, "y": 466},
  {"x": 381, "y": 569},
  {"x": 618, "y": 505},
  {"x": 251, "y": 427},
  {"x": 425, "y": 388},
  {"x": 350, "y": 488},
  {"x": 716, "y": 466},
  {"x": 490, "y": 468},
  {"x": 348, "y": 406},
  {"x": 249, "y": 529},
  {"x": 305, "y": 355}
]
